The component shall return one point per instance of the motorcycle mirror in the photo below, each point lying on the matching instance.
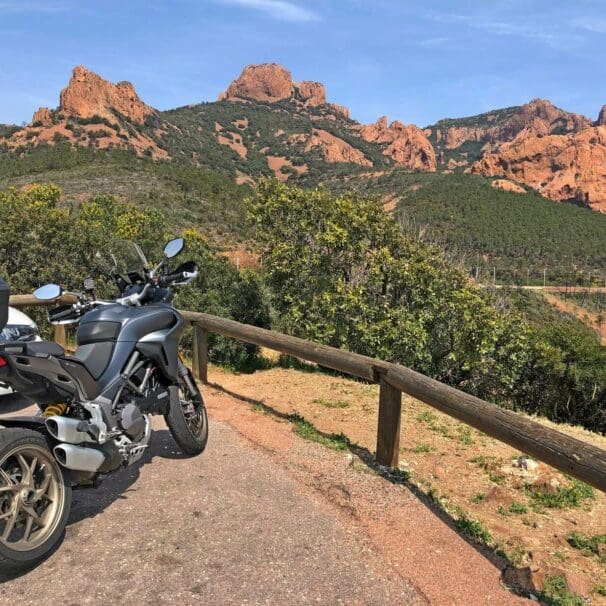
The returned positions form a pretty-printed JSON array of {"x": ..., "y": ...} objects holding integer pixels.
[
  {"x": 174, "y": 247},
  {"x": 48, "y": 292}
]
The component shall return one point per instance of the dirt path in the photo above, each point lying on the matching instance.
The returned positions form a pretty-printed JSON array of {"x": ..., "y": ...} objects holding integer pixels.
[
  {"x": 413, "y": 537},
  {"x": 262, "y": 517},
  {"x": 470, "y": 475},
  {"x": 585, "y": 315},
  {"x": 229, "y": 527}
]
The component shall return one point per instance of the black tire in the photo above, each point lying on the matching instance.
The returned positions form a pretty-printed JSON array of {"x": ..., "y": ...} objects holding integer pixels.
[
  {"x": 191, "y": 437},
  {"x": 44, "y": 538}
]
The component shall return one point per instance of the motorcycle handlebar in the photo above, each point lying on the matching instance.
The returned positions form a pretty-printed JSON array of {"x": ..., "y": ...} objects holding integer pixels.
[
  {"x": 179, "y": 276},
  {"x": 63, "y": 314}
]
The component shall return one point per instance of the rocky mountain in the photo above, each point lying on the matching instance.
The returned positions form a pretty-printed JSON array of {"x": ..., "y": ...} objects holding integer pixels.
[
  {"x": 266, "y": 123},
  {"x": 271, "y": 83},
  {"x": 568, "y": 167},
  {"x": 460, "y": 142},
  {"x": 93, "y": 112}
]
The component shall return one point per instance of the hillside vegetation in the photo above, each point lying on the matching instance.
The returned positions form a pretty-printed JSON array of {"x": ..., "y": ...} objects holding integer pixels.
[
  {"x": 190, "y": 195},
  {"x": 340, "y": 271},
  {"x": 258, "y": 131},
  {"x": 519, "y": 235}
]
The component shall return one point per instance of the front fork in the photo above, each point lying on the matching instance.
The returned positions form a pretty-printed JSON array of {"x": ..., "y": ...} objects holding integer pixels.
[{"x": 185, "y": 376}]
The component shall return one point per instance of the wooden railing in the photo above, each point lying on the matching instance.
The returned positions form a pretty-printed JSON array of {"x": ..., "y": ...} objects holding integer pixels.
[{"x": 570, "y": 455}]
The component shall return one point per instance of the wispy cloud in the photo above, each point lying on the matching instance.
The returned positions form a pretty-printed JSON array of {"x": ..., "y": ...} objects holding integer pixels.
[
  {"x": 25, "y": 6},
  {"x": 515, "y": 28},
  {"x": 434, "y": 41},
  {"x": 277, "y": 9},
  {"x": 597, "y": 26}
]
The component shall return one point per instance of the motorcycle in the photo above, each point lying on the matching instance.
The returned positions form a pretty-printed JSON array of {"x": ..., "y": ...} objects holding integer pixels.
[{"x": 95, "y": 405}]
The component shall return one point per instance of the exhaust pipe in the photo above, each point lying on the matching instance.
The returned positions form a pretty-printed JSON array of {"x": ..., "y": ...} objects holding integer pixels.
[
  {"x": 79, "y": 458},
  {"x": 64, "y": 429}
]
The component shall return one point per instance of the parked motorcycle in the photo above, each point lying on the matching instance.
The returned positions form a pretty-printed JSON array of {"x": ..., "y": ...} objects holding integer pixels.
[{"x": 95, "y": 405}]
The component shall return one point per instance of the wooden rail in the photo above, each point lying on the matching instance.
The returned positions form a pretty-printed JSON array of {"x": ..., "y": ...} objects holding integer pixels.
[{"x": 570, "y": 455}]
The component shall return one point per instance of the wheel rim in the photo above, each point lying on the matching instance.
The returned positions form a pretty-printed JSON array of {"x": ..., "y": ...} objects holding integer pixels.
[
  {"x": 32, "y": 497},
  {"x": 193, "y": 411}
]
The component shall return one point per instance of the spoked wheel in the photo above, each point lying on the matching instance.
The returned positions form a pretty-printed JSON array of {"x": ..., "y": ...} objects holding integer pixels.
[
  {"x": 35, "y": 499},
  {"x": 187, "y": 419}
]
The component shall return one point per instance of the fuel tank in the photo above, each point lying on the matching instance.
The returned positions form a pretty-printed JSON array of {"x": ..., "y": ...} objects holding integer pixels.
[
  {"x": 119, "y": 323},
  {"x": 108, "y": 335}
]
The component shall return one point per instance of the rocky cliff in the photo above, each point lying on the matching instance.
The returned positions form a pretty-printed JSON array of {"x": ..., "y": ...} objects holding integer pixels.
[
  {"x": 87, "y": 95},
  {"x": 537, "y": 118},
  {"x": 562, "y": 167},
  {"x": 270, "y": 82},
  {"x": 406, "y": 145},
  {"x": 96, "y": 113}
]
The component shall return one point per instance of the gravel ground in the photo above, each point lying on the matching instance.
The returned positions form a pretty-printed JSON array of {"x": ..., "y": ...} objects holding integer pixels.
[{"x": 228, "y": 527}]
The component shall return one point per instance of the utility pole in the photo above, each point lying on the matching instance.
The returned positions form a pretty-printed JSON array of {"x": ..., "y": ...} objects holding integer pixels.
[{"x": 494, "y": 276}]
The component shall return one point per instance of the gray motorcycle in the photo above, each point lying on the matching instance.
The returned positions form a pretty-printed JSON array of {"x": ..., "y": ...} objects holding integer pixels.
[{"x": 95, "y": 405}]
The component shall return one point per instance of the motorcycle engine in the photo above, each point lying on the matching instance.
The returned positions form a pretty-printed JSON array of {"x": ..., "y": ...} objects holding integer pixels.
[{"x": 133, "y": 422}]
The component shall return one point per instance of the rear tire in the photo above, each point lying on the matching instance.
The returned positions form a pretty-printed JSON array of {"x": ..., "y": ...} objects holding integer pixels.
[
  {"x": 35, "y": 499},
  {"x": 187, "y": 418}
]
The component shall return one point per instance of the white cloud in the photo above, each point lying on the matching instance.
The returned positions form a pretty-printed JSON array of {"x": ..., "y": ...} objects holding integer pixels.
[
  {"x": 434, "y": 41},
  {"x": 25, "y": 6},
  {"x": 597, "y": 26},
  {"x": 277, "y": 9}
]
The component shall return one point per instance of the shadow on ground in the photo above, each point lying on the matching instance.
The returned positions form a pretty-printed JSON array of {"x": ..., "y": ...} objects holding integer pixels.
[
  {"x": 90, "y": 502},
  {"x": 394, "y": 476}
]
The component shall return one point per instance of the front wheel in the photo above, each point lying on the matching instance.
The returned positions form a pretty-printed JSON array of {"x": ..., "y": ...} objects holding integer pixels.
[
  {"x": 187, "y": 418},
  {"x": 35, "y": 499}
]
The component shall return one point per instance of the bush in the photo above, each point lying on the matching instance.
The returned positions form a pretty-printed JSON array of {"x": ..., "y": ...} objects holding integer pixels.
[
  {"x": 43, "y": 240},
  {"x": 340, "y": 271}
]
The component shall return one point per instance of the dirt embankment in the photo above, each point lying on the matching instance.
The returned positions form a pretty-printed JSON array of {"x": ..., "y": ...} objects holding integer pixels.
[
  {"x": 523, "y": 511},
  {"x": 585, "y": 315}
]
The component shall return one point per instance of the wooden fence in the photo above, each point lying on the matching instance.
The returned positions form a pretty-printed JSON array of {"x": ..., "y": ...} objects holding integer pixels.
[{"x": 570, "y": 455}]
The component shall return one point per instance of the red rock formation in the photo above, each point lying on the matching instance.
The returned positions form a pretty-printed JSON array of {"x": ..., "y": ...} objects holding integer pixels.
[
  {"x": 407, "y": 145},
  {"x": 87, "y": 94},
  {"x": 335, "y": 149},
  {"x": 561, "y": 167},
  {"x": 265, "y": 82},
  {"x": 340, "y": 109},
  {"x": 601, "y": 121},
  {"x": 311, "y": 93},
  {"x": 539, "y": 117},
  {"x": 43, "y": 117},
  {"x": 270, "y": 83}
]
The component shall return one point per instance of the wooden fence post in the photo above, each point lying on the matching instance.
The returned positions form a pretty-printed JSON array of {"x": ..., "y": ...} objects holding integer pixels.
[
  {"x": 200, "y": 354},
  {"x": 388, "y": 431},
  {"x": 61, "y": 335}
]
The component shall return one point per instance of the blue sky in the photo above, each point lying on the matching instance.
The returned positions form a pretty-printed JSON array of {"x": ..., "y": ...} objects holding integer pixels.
[{"x": 417, "y": 61}]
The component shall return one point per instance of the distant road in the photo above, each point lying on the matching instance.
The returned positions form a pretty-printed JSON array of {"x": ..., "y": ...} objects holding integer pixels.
[{"x": 570, "y": 289}]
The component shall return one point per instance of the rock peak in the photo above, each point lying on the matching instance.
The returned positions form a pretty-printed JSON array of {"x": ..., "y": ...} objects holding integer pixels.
[
  {"x": 270, "y": 83},
  {"x": 601, "y": 121},
  {"x": 87, "y": 95},
  {"x": 406, "y": 145}
]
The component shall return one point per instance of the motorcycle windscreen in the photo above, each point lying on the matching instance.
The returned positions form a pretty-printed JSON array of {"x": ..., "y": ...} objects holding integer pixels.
[{"x": 4, "y": 296}]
